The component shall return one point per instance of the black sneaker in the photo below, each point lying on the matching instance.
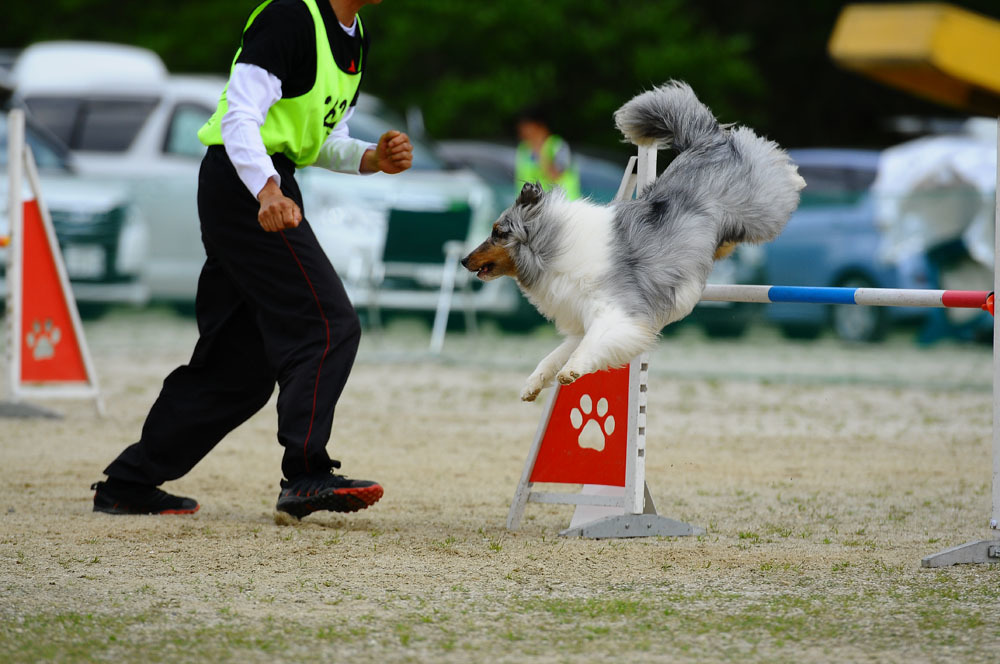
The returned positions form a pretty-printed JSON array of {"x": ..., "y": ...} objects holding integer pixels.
[
  {"x": 139, "y": 499},
  {"x": 335, "y": 493}
]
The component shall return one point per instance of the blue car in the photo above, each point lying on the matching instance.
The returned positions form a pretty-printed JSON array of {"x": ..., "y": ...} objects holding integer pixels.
[{"x": 832, "y": 240}]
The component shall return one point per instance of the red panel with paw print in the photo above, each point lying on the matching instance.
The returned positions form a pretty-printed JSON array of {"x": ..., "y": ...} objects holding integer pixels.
[
  {"x": 50, "y": 351},
  {"x": 585, "y": 440}
]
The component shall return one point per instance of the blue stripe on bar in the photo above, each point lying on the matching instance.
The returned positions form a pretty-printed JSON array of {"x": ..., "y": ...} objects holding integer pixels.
[{"x": 810, "y": 294}]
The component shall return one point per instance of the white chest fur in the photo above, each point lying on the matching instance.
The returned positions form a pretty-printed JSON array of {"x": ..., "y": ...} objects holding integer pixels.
[{"x": 572, "y": 290}]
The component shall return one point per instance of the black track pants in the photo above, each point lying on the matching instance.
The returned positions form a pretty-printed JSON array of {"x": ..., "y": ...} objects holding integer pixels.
[{"x": 270, "y": 308}]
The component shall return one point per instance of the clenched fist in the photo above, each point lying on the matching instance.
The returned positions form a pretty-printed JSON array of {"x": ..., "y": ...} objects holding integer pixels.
[
  {"x": 277, "y": 211},
  {"x": 393, "y": 154}
]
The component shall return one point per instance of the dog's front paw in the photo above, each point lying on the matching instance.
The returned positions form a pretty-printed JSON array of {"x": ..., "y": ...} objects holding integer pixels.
[
  {"x": 536, "y": 382},
  {"x": 530, "y": 393},
  {"x": 567, "y": 376},
  {"x": 532, "y": 387}
]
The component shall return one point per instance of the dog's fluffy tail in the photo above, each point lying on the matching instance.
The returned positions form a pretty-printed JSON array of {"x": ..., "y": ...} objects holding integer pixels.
[
  {"x": 748, "y": 181},
  {"x": 668, "y": 115}
]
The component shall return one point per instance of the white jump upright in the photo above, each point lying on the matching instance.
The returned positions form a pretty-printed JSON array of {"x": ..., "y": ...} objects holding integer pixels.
[
  {"x": 47, "y": 354},
  {"x": 985, "y": 550}
]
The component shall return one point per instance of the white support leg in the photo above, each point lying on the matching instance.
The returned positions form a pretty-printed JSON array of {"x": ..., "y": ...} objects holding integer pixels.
[
  {"x": 995, "y": 515},
  {"x": 15, "y": 407},
  {"x": 15, "y": 211},
  {"x": 985, "y": 551},
  {"x": 23, "y": 170}
]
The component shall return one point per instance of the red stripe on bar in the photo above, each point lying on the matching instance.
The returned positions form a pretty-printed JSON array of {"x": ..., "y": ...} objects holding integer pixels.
[{"x": 965, "y": 299}]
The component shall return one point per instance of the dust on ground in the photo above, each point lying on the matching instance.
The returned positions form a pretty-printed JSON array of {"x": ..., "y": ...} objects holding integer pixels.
[{"x": 822, "y": 474}]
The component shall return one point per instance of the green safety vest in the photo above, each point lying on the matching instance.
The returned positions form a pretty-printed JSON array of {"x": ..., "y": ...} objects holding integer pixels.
[
  {"x": 529, "y": 169},
  {"x": 297, "y": 127}
]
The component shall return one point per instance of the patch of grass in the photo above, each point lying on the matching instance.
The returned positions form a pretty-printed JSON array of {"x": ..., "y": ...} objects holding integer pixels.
[
  {"x": 873, "y": 607},
  {"x": 591, "y": 608},
  {"x": 84, "y": 637},
  {"x": 779, "y": 530},
  {"x": 404, "y": 632}
]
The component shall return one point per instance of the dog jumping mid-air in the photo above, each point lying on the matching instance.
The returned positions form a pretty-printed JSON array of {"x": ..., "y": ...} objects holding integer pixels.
[{"x": 612, "y": 276}]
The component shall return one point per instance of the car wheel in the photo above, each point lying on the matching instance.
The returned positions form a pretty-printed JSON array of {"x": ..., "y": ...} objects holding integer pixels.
[
  {"x": 855, "y": 323},
  {"x": 804, "y": 331}
]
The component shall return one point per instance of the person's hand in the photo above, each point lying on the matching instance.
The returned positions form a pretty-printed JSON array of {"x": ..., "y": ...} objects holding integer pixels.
[
  {"x": 393, "y": 154},
  {"x": 277, "y": 211}
]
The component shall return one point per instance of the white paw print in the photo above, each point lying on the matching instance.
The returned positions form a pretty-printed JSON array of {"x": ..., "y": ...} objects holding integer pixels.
[
  {"x": 593, "y": 434},
  {"x": 42, "y": 340}
]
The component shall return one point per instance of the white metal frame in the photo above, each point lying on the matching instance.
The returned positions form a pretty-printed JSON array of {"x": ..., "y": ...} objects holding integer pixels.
[
  {"x": 371, "y": 274},
  {"x": 21, "y": 165},
  {"x": 452, "y": 256},
  {"x": 15, "y": 211}
]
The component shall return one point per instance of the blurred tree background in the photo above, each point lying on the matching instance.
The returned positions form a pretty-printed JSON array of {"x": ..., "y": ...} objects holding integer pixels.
[{"x": 469, "y": 66}]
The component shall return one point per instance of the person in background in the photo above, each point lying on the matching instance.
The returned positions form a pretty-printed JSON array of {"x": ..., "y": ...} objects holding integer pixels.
[
  {"x": 270, "y": 307},
  {"x": 543, "y": 157}
]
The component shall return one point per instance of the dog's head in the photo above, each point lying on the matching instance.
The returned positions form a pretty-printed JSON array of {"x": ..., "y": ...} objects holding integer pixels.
[{"x": 501, "y": 254}]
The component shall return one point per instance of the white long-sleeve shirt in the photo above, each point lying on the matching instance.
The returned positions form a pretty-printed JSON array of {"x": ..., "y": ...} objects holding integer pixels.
[{"x": 251, "y": 93}]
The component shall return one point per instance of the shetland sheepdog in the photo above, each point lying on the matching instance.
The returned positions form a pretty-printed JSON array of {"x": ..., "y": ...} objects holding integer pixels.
[{"x": 612, "y": 276}]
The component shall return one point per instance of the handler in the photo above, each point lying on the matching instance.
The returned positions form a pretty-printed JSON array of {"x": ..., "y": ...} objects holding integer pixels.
[{"x": 270, "y": 307}]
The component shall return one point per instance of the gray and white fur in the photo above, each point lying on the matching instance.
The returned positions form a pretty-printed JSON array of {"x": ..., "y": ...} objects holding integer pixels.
[{"x": 611, "y": 277}]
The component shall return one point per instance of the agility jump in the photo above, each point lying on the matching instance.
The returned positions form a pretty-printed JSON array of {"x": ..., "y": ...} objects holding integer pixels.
[{"x": 623, "y": 506}]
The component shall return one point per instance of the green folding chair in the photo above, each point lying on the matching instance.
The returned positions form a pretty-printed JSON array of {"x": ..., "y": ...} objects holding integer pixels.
[{"x": 423, "y": 248}]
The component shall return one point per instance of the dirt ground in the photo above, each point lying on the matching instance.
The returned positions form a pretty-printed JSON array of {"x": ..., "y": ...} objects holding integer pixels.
[{"x": 821, "y": 473}]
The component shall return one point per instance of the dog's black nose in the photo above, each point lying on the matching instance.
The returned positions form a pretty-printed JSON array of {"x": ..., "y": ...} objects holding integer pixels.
[{"x": 465, "y": 262}]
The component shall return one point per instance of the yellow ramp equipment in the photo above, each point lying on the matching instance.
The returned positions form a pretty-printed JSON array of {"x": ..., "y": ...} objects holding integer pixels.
[{"x": 933, "y": 50}]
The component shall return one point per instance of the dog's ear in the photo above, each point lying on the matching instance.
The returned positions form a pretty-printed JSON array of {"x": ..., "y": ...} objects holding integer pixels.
[{"x": 530, "y": 194}]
